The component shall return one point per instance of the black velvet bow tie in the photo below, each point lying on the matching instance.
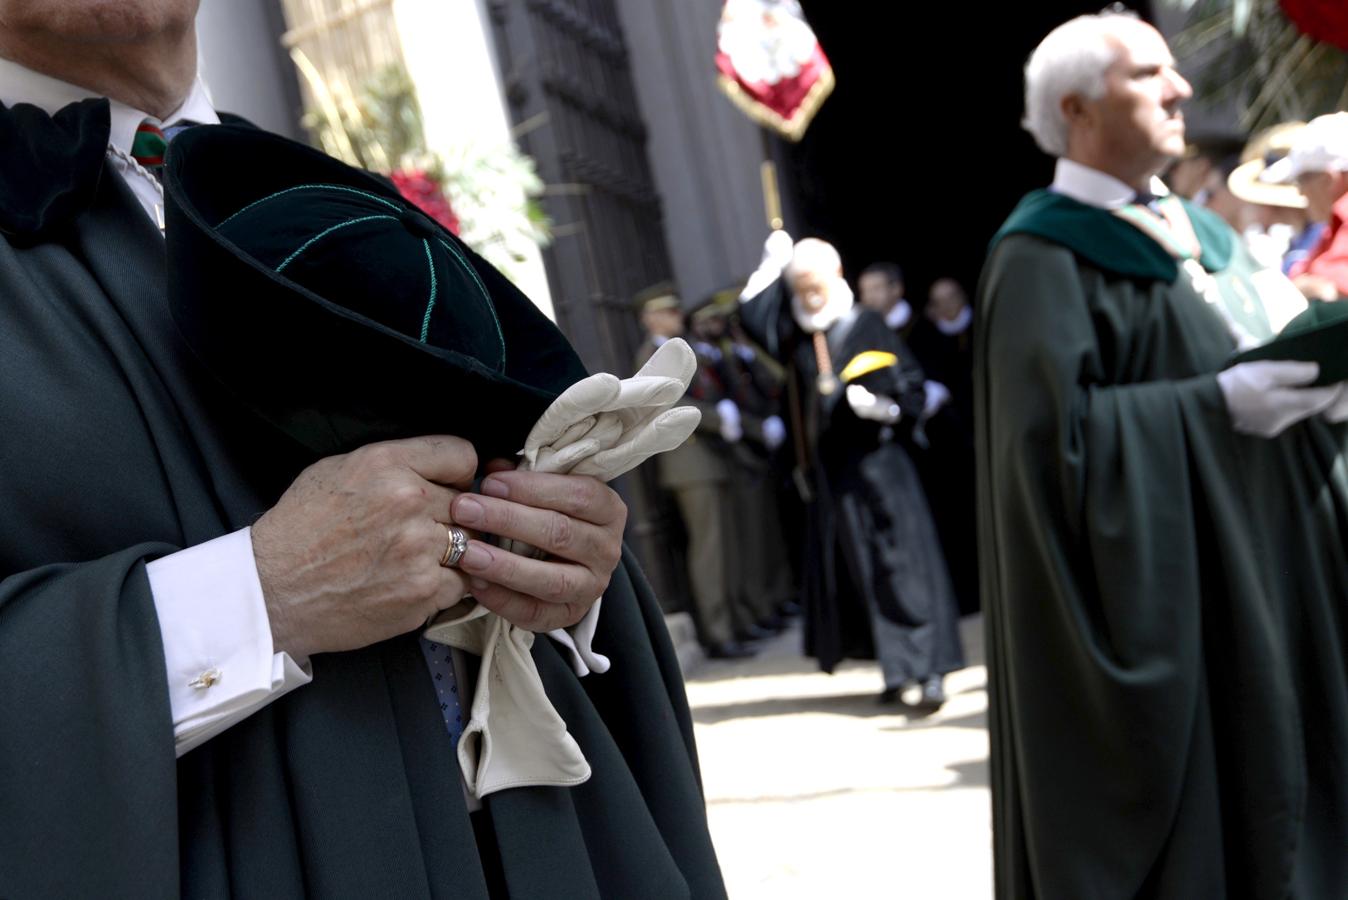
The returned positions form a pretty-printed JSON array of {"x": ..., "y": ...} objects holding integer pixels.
[{"x": 49, "y": 165}]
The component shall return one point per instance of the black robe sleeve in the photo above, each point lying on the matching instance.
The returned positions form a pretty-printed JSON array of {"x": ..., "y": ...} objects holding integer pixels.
[
  {"x": 766, "y": 318},
  {"x": 116, "y": 450},
  {"x": 81, "y": 668},
  {"x": 900, "y": 380}
]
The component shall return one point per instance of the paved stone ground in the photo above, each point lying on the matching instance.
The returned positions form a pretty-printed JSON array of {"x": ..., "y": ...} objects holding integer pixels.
[{"x": 816, "y": 791}]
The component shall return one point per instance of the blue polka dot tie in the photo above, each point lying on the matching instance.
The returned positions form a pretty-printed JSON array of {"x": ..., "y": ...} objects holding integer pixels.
[{"x": 441, "y": 666}]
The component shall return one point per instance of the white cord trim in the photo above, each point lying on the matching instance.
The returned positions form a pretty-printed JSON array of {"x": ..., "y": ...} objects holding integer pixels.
[{"x": 136, "y": 167}]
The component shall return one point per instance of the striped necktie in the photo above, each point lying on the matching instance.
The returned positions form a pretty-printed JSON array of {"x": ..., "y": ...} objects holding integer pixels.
[{"x": 148, "y": 146}]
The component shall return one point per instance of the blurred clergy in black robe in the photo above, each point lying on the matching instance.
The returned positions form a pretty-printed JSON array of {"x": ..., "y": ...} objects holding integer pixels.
[{"x": 875, "y": 580}]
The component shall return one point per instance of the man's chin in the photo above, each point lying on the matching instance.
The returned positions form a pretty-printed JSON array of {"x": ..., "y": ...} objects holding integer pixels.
[
  {"x": 1169, "y": 151},
  {"x": 1173, "y": 144},
  {"x": 100, "y": 22}
]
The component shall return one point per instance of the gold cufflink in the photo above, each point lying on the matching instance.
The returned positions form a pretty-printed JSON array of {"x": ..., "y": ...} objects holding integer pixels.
[{"x": 205, "y": 679}]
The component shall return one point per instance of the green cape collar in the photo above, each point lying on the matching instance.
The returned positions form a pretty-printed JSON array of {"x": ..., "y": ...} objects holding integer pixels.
[{"x": 1110, "y": 242}]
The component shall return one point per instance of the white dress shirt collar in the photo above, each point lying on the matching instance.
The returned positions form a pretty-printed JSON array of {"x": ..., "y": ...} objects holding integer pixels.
[
  {"x": 899, "y": 315},
  {"x": 958, "y": 325},
  {"x": 1095, "y": 188},
  {"x": 22, "y": 85}
]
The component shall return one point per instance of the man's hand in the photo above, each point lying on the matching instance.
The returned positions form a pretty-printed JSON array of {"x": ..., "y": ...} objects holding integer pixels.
[
  {"x": 350, "y": 554},
  {"x": 576, "y": 519}
]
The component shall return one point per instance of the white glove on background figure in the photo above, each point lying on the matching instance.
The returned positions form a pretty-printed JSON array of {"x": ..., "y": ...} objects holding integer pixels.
[
  {"x": 875, "y": 407},
  {"x": 777, "y": 251},
  {"x": 935, "y": 396},
  {"x": 774, "y": 432},
  {"x": 601, "y": 427},
  {"x": 1266, "y": 397},
  {"x": 1338, "y": 410},
  {"x": 731, "y": 428}
]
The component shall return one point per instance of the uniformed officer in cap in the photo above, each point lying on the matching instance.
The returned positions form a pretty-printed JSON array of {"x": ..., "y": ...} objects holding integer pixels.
[{"x": 698, "y": 474}]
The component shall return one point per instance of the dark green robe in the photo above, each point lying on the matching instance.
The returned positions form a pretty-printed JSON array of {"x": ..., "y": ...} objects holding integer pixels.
[
  {"x": 1166, "y": 600},
  {"x": 115, "y": 450}
]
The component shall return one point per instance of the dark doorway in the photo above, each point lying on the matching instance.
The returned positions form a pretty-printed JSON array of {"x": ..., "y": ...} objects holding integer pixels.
[{"x": 918, "y": 156}]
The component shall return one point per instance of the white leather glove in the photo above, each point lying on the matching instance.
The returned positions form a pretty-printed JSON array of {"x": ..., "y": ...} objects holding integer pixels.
[
  {"x": 729, "y": 414},
  {"x": 774, "y": 432},
  {"x": 936, "y": 395},
  {"x": 1266, "y": 397},
  {"x": 514, "y": 736},
  {"x": 603, "y": 427},
  {"x": 875, "y": 407},
  {"x": 777, "y": 252},
  {"x": 600, "y": 426},
  {"x": 1338, "y": 410}
]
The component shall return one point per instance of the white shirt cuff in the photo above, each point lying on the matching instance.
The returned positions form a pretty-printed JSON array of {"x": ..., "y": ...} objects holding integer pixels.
[
  {"x": 577, "y": 641},
  {"x": 217, "y": 638}
]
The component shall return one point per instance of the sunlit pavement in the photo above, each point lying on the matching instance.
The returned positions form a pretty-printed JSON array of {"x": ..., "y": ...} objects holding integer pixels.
[{"x": 816, "y": 791}]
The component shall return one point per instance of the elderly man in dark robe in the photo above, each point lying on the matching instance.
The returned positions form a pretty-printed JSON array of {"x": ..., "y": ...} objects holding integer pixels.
[
  {"x": 213, "y": 681},
  {"x": 1162, "y": 533},
  {"x": 875, "y": 582}
]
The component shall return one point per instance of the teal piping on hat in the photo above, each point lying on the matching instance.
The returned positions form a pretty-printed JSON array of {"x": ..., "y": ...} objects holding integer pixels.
[
  {"x": 313, "y": 187},
  {"x": 453, "y": 251},
  {"x": 324, "y": 233},
  {"x": 486, "y": 295},
  {"x": 430, "y": 304}
]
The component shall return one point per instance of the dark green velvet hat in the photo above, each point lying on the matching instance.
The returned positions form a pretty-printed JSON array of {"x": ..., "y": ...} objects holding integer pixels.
[
  {"x": 1320, "y": 334},
  {"x": 340, "y": 314}
]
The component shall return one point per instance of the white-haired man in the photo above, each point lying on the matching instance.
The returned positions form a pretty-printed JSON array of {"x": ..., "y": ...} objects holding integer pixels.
[
  {"x": 1162, "y": 539},
  {"x": 875, "y": 582}
]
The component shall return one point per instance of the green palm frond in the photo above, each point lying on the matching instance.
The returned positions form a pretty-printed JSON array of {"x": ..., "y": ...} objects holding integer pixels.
[{"x": 1257, "y": 58}]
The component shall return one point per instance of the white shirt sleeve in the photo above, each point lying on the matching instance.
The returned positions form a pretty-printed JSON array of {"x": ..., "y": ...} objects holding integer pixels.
[{"x": 218, "y": 650}]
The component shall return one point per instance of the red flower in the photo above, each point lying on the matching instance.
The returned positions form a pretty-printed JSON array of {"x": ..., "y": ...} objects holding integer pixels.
[
  {"x": 1323, "y": 20},
  {"x": 425, "y": 194}
]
